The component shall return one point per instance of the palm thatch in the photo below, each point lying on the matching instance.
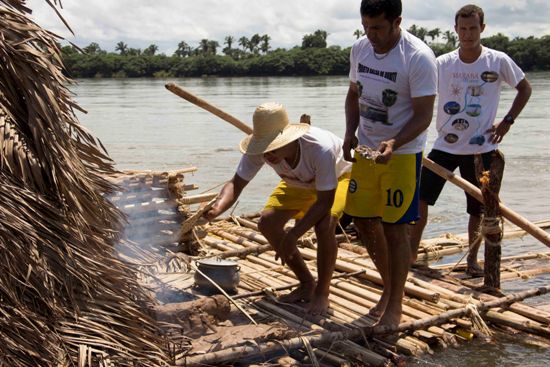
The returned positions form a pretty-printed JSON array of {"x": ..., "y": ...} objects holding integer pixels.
[{"x": 65, "y": 299}]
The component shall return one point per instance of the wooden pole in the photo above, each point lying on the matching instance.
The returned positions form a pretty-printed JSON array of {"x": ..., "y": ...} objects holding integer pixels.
[
  {"x": 491, "y": 230},
  {"x": 507, "y": 213},
  {"x": 179, "y": 91}
]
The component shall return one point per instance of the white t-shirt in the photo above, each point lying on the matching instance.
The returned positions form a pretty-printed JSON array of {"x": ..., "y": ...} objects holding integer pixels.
[
  {"x": 468, "y": 99},
  {"x": 387, "y": 83},
  {"x": 321, "y": 162}
]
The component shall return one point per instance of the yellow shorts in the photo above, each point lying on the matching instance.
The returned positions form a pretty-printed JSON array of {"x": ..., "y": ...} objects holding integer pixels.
[
  {"x": 387, "y": 191},
  {"x": 285, "y": 197}
]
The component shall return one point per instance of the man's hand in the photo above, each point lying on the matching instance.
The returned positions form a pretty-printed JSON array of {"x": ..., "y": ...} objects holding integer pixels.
[
  {"x": 386, "y": 151},
  {"x": 287, "y": 248},
  {"x": 350, "y": 142},
  {"x": 497, "y": 131},
  {"x": 212, "y": 213}
]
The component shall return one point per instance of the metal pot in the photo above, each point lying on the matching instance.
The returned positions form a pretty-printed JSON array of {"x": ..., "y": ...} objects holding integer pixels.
[{"x": 224, "y": 272}]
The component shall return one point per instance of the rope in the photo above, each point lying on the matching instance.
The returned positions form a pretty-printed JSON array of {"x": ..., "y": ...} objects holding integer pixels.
[
  {"x": 492, "y": 226},
  {"x": 433, "y": 251},
  {"x": 517, "y": 272},
  {"x": 474, "y": 244},
  {"x": 477, "y": 321}
]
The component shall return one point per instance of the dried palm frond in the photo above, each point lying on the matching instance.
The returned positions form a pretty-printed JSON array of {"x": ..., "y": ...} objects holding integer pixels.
[{"x": 65, "y": 298}]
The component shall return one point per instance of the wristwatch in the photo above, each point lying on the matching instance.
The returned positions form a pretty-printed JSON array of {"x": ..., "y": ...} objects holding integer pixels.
[{"x": 509, "y": 119}]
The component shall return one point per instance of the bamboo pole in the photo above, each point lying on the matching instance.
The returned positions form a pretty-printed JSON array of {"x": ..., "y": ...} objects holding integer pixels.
[
  {"x": 518, "y": 324},
  {"x": 288, "y": 286},
  {"x": 508, "y": 213},
  {"x": 195, "y": 199},
  {"x": 519, "y": 308},
  {"x": 179, "y": 91}
]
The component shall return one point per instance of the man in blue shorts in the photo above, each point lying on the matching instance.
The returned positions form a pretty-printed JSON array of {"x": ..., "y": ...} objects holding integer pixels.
[
  {"x": 470, "y": 80},
  {"x": 393, "y": 82}
]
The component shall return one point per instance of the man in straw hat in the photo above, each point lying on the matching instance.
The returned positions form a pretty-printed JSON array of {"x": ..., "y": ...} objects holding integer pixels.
[
  {"x": 393, "y": 82},
  {"x": 314, "y": 182}
]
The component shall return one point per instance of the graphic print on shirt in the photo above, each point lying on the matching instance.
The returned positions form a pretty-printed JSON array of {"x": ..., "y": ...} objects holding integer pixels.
[
  {"x": 468, "y": 86},
  {"x": 377, "y": 110}
]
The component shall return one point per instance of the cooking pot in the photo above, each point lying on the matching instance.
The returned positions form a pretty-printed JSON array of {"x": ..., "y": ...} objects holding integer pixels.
[{"x": 224, "y": 272}]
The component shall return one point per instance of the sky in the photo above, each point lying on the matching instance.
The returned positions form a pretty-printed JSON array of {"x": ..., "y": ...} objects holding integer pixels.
[{"x": 165, "y": 23}]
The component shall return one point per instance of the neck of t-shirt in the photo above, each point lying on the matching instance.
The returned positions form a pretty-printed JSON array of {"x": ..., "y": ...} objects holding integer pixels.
[{"x": 470, "y": 56}]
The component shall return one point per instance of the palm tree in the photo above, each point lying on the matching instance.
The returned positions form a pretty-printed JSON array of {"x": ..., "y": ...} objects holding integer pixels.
[
  {"x": 121, "y": 47},
  {"x": 64, "y": 294},
  {"x": 92, "y": 49},
  {"x": 203, "y": 46},
  {"x": 264, "y": 46},
  {"x": 434, "y": 33},
  {"x": 150, "y": 50},
  {"x": 450, "y": 37},
  {"x": 243, "y": 42},
  {"x": 183, "y": 49},
  {"x": 358, "y": 33},
  {"x": 229, "y": 41},
  {"x": 254, "y": 43},
  {"x": 212, "y": 47}
]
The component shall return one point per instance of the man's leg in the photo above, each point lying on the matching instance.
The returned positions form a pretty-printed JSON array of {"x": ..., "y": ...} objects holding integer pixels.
[
  {"x": 271, "y": 225},
  {"x": 474, "y": 241},
  {"x": 417, "y": 229},
  {"x": 327, "y": 250},
  {"x": 398, "y": 247},
  {"x": 371, "y": 233}
]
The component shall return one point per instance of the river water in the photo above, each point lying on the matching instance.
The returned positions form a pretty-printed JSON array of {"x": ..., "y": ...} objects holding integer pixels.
[{"x": 144, "y": 126}]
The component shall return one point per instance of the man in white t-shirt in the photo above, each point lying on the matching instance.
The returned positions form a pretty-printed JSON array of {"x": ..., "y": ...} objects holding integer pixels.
[
  {"x": 313, "y": 189},
  {"x": 469, "y": 91},
  {"x": 393, "y": 82}
]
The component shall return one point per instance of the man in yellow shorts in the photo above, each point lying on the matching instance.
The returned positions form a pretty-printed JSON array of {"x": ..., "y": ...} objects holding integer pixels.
[
  {"x": 393, "y": 82},
  {"x": 313, "y": 186}
]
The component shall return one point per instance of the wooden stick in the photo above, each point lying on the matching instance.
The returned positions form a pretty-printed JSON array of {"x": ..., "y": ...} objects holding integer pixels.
[
  {"x": 507, "y": 213},
  {"x": 200, "y": 198},
  {"x": 188, "y": 96}
]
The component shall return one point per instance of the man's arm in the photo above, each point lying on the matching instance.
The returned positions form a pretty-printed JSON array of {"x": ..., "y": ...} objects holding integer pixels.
[
  {"x": 422, "y": 116},
  {"x": 498, "y": 130},
  {"x": 352, "y": 121},
  {"x": 227, "y": 197}
]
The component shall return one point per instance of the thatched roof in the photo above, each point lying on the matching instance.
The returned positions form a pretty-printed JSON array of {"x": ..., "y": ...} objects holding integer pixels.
[{"x": 63, "y": 293}]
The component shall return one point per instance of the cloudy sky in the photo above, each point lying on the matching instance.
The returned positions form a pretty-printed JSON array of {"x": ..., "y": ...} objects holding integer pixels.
[{"x": 165, "y": 23}]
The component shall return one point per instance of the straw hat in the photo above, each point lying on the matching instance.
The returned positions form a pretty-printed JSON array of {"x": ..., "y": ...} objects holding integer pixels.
[{"x": 271, "y": 131}]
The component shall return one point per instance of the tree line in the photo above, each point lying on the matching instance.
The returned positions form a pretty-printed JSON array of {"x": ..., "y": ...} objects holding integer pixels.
[{"x": 254, "y": 56}]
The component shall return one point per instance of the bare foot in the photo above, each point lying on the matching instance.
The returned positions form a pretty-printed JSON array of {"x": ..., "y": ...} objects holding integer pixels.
[
  {"x": 391, "y": 316},
  {"x": 380, "y": 307},
  {"x": 474, "y": 270},
  {"x": 318, "y": 305},
  {"x": 304, "y": 292}
]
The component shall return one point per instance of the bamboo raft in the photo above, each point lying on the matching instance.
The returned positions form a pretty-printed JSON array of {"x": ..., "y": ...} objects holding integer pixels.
[{"x": 441, "y": 307}]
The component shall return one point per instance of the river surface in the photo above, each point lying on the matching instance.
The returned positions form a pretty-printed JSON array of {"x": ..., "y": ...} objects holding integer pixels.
[{"x": 144, "y": 126}]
